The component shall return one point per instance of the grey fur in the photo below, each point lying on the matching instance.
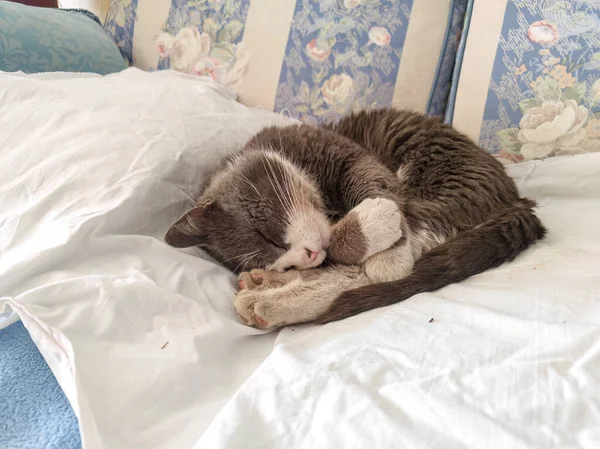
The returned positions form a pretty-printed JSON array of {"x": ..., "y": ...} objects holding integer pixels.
[{"x": 461, "y": 213}]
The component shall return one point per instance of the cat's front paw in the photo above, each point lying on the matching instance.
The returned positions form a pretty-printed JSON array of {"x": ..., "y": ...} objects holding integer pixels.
[
  {"x": 258, "y": 309},
  {"x": 258, "y": 279},
  {"x": 256, "y": 301},
  {"x": 272, "y": 305},
  {"x": 380, "y": 220},
  {"x": 244, "y": 303}
]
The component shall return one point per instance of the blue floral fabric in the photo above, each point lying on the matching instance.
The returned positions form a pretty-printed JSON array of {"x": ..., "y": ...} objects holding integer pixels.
[
  {"x": 458, "y": 60},
  {"x": 544, "y": 95},
  {"x": 223, "y": 22},
  {"x": 341, "y": 57},
  {"x": 184, "y": 13},
  {"x": 120, "y": 23},
  {"x": 441, "y": 87},
  {"x": 36, "y": 40}
]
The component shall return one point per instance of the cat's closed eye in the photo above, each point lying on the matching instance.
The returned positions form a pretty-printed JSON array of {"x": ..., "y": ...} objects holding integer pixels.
[{"x": 279, "y": 247}]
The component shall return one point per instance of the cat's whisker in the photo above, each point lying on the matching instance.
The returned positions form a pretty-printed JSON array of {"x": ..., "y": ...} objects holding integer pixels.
[
  {"x": 237, "y": 257},
  {"x": 243, "y": 178},
  {"x": 251, "y": 253},
  {"x": 287, "y": 192},
  {"x": 254, "y": 146},
  {"x": 248, "y": 259},
  {"x": 276, "y": 186},
  {"x": 245, "y": 260},
  {"x": 279, "y": 186},
  {"x": 246, "y": 264},
  {"x": 234, "y": 159},
  {"x": 298, "y": 206},
  {"x": 272, "y": 183},
  {"x": 302, "y": 201},
  {"x": 287, "y": 175},
  {"x": 280, "y": 140},
  {"x": 235, "y": 270},
  {"x": 291, "y": 204}
]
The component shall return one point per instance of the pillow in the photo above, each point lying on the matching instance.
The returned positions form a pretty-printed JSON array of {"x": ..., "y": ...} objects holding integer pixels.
[
  {"x": 312, "y": 60},
  {"x": 529, "y": 85},
  {"x": 36, "y": 40},
  {"x": 123, "y": 320}
]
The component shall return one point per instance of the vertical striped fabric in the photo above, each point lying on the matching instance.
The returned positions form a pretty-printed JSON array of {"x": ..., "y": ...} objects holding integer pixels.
[{"x": 312, "y": 60}]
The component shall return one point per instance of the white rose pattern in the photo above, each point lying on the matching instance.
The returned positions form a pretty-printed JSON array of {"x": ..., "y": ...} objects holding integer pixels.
[
  {"x": 555, "y": 126},
  {"x": 190, "y": 52},
  {"x": 351, "y": 4},
  {"x": 185, "y": 49},
  {"x": 338, "y": 91},
  {"x": 542, "y": 32},
  {"x": 380, "y": 36},
  {"x": 213, "y": 67}
]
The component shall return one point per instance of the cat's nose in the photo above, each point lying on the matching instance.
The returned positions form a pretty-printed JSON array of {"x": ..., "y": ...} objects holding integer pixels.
[{"x": 312, "y": 255}]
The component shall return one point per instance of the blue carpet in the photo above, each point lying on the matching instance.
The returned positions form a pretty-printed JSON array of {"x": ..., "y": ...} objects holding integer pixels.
[{"x": 34, "y": 412}]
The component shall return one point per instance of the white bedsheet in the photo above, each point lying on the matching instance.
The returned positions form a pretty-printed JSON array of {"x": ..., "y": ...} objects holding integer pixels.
[{"x": 143, "y": 337}]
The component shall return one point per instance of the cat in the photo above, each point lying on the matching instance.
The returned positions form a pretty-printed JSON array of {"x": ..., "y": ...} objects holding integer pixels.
[{"x": 336, "y": 220}]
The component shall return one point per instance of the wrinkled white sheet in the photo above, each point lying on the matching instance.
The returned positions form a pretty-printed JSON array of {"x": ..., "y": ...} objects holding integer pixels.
[{"x": 143, "y": 338}]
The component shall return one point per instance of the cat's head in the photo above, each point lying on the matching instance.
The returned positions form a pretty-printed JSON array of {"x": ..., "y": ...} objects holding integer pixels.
[{"x": 259, "y": 211}]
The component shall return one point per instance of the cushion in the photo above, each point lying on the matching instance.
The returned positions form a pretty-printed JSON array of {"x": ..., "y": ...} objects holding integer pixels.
[
  {"x": 529, "y": 85},
  {"x": 46, "y": 40},
  {"x": 311, "y": 60}
]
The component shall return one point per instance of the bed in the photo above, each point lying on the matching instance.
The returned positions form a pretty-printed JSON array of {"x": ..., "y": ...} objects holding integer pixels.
[{"x": 143, "y": 338}]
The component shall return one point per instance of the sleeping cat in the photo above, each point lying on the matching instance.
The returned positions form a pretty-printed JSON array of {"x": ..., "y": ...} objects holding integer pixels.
[{"x": 398, "y": 204}]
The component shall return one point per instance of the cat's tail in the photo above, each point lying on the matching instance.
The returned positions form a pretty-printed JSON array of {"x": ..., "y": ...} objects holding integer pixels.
[{"x": 486, "y": 246}]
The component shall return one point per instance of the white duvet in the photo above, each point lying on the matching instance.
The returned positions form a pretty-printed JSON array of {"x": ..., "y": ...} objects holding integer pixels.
[{"x": 143, "y": 337}]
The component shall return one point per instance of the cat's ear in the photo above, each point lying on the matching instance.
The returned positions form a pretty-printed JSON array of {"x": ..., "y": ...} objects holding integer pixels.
[{"x": 190, "y": 229}]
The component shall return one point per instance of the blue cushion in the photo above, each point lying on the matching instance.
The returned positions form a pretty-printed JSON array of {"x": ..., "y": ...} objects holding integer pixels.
[
  {"x": 36, "y": 40},
  {"x": 34, "y": 412}
]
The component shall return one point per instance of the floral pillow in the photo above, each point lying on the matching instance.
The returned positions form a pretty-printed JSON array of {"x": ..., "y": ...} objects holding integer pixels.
[
  {"x": 529, "y": 84},
  {"x": 314, "y": 60}
]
